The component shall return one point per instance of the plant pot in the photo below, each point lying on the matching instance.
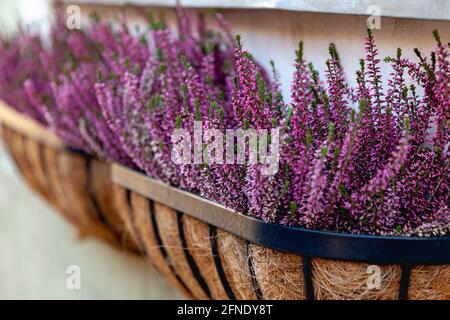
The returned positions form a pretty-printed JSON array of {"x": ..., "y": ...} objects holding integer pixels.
[
  {"x": 77, "y": 185},
  {"x": 209, "y": 251}
]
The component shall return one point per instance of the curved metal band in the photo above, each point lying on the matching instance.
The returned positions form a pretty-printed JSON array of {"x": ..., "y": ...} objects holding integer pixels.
[{"x": 328, "y": 245}]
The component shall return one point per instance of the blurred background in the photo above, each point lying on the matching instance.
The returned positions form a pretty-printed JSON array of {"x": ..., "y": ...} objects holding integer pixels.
[{"x": 37, "y": 245}]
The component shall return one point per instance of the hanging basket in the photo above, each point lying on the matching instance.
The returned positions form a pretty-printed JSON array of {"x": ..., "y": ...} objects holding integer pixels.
[
  {"x": 211, "y": 252},
  {"x": 77, "y": 185}
]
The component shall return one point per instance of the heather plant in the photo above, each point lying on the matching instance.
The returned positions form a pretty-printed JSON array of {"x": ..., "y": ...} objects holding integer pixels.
[
  {"x": 60, "y": 53},
  {"x": 183, "y": 80},
  {"x": 372, "y": 172},
  {"x": 107, "y": 51},
  {"x": 19, "y": 61},
  {"x": 380, "y": 169},
  {"x": 39, "y": 75},
  {"x": 257, "y": 104}
]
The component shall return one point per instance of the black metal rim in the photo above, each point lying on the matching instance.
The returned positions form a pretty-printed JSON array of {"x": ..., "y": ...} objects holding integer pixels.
[{"x": 310, "y": 243}]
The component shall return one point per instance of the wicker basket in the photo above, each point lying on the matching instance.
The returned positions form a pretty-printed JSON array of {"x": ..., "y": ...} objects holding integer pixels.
[
  {"x": 74, "y": 183},
  {"x": 211, "y": 252}
]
